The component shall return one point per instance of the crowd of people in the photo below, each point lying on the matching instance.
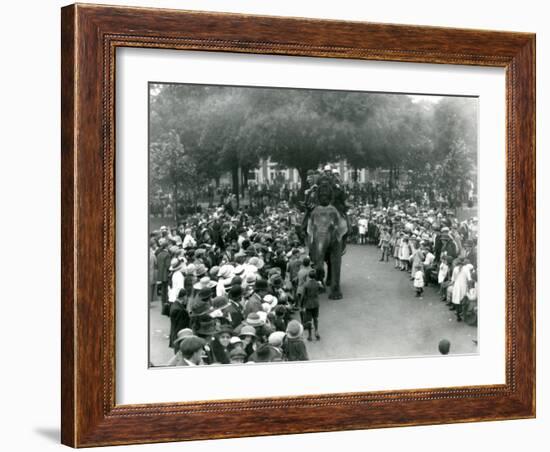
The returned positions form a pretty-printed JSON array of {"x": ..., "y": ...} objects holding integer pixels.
[
  {"x": 431, "y": 246},
  {"x": 240, "y": 288}
]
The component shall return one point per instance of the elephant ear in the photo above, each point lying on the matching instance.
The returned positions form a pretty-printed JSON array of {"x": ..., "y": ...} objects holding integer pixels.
[{"x": 342, "y": 227}]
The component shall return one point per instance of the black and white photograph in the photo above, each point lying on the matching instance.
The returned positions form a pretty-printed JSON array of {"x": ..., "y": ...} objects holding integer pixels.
[{"x": 292, "y": 224}]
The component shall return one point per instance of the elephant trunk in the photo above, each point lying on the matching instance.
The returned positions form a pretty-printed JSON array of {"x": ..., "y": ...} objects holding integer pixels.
[{"x": 318, "y": 252}]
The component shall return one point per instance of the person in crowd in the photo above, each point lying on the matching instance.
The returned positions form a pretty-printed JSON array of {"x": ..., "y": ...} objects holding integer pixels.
[
  {"x": 404, "y": 253},
  {"x": 461, "y": 284},
  {"x": 310, "y": 305},
  {"x": 220, "y": 345},
  {"x": 152, "y": 270},
  {"x": 192, "y": 349},
  {"x": 163, "y": 268},
  {"x": 248, "y": 337},
  {"x": 254, "y": 300},
  {"x": 237, "y": 356},
  {"x": 179, "y": 318},
  {"x": 303, "y": 275},
  {"x": 418, "y": 280},
  {"x": 444, "y": 277},
  {"x": 294, "y": 347},
  {"x": 384, "y": 244},
  {"x": 177, "y": 359},
  {"x": 244, "y": 270},
  {"x": 416, "y": 259},
  {"x": 176, "y": 283},
  {"x": 362, "y": 225},
  {"x": 293, "y": 267},
  {"x": 280, "y": 320}
]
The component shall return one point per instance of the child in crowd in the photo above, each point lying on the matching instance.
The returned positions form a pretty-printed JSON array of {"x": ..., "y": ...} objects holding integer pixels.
[
  {"x": 293, "y": 345},
  {"x": 404, "y": 254},
  {"x": 428, "y": 263},
  {"x": 310, "y": 305},
  {"x": 417, "y": 257},
  {"x": 396, "y": 243},
  {"x": 384, "y": 244},
  {"x": 443, "y": 277},
  {"x": 418, "y": 280}
]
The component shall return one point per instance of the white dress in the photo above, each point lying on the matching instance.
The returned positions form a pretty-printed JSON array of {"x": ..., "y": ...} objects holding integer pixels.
[
  {"x": 177, "y": 285},
  {"x": 404, "y": 251},
  {"x": 460, "y": 287}
]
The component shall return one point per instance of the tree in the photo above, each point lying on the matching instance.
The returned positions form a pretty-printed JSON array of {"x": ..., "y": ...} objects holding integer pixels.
[{"x": 171, "y": 168}]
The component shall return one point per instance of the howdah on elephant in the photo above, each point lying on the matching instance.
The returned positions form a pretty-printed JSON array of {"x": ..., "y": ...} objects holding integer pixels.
[{"x": 326, "y": 229}]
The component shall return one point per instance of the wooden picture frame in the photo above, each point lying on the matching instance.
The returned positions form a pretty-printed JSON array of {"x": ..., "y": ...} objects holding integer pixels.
[{"x": 90, "y": 35}]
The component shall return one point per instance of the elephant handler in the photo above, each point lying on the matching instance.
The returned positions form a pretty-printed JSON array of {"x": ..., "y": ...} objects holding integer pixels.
[
  {"x": 310, "y": 199},
  {"x": 310, "y": 305}
]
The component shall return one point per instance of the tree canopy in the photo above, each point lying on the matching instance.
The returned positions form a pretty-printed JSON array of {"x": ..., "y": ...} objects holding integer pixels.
[{"x": 211, "y": 130}]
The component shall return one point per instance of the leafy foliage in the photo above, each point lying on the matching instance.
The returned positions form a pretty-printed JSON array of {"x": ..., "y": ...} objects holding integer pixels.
[{"x": 205, "y": 131}]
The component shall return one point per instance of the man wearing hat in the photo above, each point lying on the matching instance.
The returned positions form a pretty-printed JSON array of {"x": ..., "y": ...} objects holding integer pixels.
[
  {"x": 254, "y": 300},
  {"x": 179, "y": 317},
  {"x": 220, "y": 310},
  {"x": 266, "y": 353},
  {"x": 237, "y": 355},
  {"x": 235, "y": 309},
  {"x": 163, "y": 273},
  {"x": 207, "y": 329},
  {"x": 177, "y": 359},
  {"x": 192, "y": 350}
]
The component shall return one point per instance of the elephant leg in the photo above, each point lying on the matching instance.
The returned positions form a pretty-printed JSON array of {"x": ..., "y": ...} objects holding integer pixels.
[{"x": 335, "y": 264}]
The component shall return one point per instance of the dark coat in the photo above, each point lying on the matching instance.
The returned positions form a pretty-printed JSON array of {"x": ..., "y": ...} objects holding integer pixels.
[
  {"x": 220, "y": 355},
  {"x": 450, "y": 249},
  {"x": 294, "y": 349},
  {"x": 310, "y": 300},
  {"x": 253, "y": 304},
  {"x": 179, "y": 319},
  {"x": 236, "y": 313},
  {"x": 266, "y": 354},
  {"x": 163, "y": 264}
]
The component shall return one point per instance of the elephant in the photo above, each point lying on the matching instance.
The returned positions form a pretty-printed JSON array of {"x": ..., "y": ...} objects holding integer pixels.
[{"x": 326, "y": 229}]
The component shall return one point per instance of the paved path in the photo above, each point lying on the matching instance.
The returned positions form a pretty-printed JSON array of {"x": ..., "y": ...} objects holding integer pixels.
[{"x": 378, "y": 317}]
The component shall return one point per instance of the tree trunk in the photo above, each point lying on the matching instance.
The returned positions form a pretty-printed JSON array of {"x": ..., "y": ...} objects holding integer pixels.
[
  {"x": 303, "y": 181},
  {"x": 235, "y": 178},
  {"x": 175, "y": 206},
  {"x": 244, "y": 180}
]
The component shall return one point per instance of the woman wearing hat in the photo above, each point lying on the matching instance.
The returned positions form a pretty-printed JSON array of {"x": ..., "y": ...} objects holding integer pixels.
[
  {"x": 248, "y": 337},
  {"x": 220, "y": 312},
  {"x": 200, "y": 309},
  {"x": 220, "y": 345},
  {"x": 176, "y": 269},
  {"x": 225, "y": 279}
]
